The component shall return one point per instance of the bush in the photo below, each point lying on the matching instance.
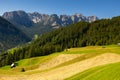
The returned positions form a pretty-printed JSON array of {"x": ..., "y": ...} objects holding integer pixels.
[{"x": 22, "y": 70}]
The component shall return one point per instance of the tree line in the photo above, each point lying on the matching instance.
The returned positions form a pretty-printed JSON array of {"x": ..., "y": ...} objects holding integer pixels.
[{"x": 101, "y": 32}]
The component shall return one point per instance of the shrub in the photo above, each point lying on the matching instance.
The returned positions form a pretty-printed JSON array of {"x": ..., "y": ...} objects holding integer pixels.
[{"x": 22, "y": 70}]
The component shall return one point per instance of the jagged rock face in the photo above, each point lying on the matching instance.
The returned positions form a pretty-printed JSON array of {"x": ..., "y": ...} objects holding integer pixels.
[
  {"x": 92, "y": 18},
  {"x": 28, "y": 19},
  {"x": 62, "y": 20},
  {"x": 18, "y": 17},
  {"x": 35, "y": 17},
  {"x": 66, "y": 20}
]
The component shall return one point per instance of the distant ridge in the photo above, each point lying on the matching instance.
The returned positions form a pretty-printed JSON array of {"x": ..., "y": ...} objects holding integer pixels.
[
  {"x": 37, "y": 23},
  {"x": 28, "y": 19}
]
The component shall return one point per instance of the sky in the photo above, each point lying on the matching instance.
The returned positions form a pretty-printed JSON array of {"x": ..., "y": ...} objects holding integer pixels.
[{"x": 99, "y": 8}]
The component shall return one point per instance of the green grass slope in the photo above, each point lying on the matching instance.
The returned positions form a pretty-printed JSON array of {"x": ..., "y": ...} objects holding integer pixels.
[
  {"x": 29, "y": 64},
  {"x": 50, "y": 64},
  {"x": 107, "y": 72},
  {"x": 89, "y": 51}
]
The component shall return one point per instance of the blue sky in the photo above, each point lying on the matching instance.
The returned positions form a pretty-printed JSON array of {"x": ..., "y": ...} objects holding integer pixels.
[{"x": 100, "y": 8}]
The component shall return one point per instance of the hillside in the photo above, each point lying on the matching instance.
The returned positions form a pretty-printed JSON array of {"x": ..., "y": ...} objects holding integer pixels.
[
  {"x": 86, "y": 63},
  {"x": 10, "y": 36},
  {"x": 102, "y": 32}
]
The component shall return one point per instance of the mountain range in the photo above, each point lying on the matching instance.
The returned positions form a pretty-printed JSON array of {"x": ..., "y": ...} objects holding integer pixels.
[
  {"x": 28, "y": 19},
  {"x": 17, "y": 27},
  {"x": 37, "y": 23}
]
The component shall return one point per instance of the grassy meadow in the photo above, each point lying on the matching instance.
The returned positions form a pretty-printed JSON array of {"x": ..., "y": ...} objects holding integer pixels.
[{"x": 67, "y": 58}]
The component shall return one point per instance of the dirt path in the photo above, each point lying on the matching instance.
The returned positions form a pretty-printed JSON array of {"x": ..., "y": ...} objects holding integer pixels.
[{"x": 69, "y": 70}]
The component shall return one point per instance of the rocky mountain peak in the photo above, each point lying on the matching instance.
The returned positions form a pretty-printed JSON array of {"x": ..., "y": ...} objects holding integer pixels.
[
  {"x": 92, "y": 18},
  {"x": 28, "y": 19},
  {"x": 18, "y": 17}
]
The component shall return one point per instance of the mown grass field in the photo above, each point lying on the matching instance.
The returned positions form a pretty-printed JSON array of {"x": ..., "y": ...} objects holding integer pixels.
[
  {"x": 107, "y": 72},
  {"x": 69, "y": 57}
]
